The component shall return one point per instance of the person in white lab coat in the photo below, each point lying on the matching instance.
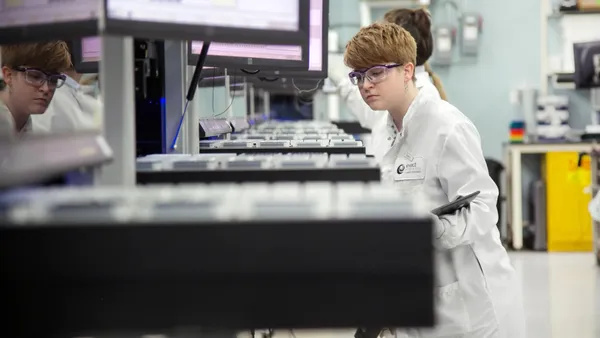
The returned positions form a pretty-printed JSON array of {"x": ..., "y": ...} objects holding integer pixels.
[
  {"x": 32, "y": 73},
  {"x": 428, "y": 146},
  {"x": 418, "y": 23}
]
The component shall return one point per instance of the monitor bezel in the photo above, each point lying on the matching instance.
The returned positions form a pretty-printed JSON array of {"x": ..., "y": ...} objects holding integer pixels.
[
  {"x": 578, "y": 74},
  {"x": 171, "y": 31},
  {"x": 304, "y": 73},
  {"x": 279, "y": 85},
  {"x": 76, "y": 49},
  {"x": 250, "y": 64},
  {"x": 49, "y": 31}
]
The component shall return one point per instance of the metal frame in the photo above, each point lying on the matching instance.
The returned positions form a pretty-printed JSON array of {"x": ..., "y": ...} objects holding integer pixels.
[
  {"x": 360, "y": 174},
  {"x": 42, "y": 32},
  {"x": 284, "y": 85},
  {"x": 258, "y": 265},
  {"x": 175, "y": 78},
  {"x": 250, "y": 63},
  {"x": 81, "y": 149},
  {"x": 160, "y": 30},
  {"x": 76, "y": 49},
  {"x": 117, "y": 74},
  {"x": 595, "y": 162},
  {"x": 286, "y": 150}
]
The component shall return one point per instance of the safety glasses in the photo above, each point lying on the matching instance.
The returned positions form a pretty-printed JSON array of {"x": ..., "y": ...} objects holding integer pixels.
[
  {"x": 37, "y": 78},
  {"x": 374, "y": 74}
]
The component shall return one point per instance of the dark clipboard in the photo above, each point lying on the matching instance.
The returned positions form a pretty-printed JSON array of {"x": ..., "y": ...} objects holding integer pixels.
[{"x": 452, "y": 207}]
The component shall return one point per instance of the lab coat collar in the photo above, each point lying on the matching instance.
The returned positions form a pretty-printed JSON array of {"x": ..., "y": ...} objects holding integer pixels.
[
  {"x": 409, "y": 113},
  {"x": 28, "y": 127},
  {"x": 421, "y": 77},
  {"x": 7, "y": 123},
  {"x": 72, "y": 83}
]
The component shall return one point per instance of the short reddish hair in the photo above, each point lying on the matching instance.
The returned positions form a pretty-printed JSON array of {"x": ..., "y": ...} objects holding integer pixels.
[
  {"x": 380, "y": 43},
  {"x": 51, "y": 57}
]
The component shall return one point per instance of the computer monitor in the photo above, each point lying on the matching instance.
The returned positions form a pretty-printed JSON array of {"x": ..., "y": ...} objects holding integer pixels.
[
  {"x": 250, "y": 56},
  {"x": 86, "y": 54},
  {"x": 280, "y": 22},
  {"x": 278, "y": 59},
  {"x": 26, "y": 20},
  {"x": 319, "y": 46},
  {"x": 587, "y": 64}
]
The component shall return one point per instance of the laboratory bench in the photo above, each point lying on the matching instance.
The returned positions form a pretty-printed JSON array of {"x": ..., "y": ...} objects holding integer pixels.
[
  {"x": 285, "y": 150},
  {"x": 152, "y": 259},
  {"x": 228, "y": 167}
]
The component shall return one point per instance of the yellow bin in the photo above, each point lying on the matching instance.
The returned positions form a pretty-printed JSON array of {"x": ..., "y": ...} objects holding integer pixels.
[{"x": 569, "y": 224}]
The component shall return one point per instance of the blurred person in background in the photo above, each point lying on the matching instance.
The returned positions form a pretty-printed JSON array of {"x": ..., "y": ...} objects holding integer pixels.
[
  {"x": 418, "y": 24},
  {"x": 32, "y": 73}
]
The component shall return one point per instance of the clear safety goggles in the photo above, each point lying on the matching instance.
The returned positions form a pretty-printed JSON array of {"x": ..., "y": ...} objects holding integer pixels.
[
  {"x": 374, "y": 74},
  {"x": 37, "y": 78}
]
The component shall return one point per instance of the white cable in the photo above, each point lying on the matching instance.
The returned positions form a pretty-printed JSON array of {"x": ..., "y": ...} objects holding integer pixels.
[{"x": 300, "y": 91}]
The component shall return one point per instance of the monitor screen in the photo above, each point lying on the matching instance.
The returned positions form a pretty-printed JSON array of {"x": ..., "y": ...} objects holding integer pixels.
[
  {"x": 86, "y": 54},
  {"x": 242, "y": 18},
  {"x": 22, "y": 20},
  {"x": 90, "y": 49},
  {"x": 262, "y": 55},
  {"x": 587, "y": 64},
  {"x": 249, "y": 14},
  {"x": 244, "y": 50},
  {"x": 318, "y": 42},
  {"x": 316, "y": 31},
  {"x": 316, "y": 68},
  {"x": 31, "y": 12},
  {"x": 249, "y": 56}
]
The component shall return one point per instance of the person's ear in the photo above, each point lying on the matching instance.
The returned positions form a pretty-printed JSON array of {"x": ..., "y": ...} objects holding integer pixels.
[
  {"x": 409, "y": 72},
  {"x": 7, "y": 75}
]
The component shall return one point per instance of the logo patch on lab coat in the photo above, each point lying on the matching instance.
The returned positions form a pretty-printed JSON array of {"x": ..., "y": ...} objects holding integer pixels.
[{"x": 410, "y": 169}]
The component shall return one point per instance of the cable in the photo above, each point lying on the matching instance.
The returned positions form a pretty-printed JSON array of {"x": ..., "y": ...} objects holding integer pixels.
[
  {"x": 250, "y": 72},
  {"x": 213, "y": 99},
  {"x": 300, "y": 91},
  {"x": 267, "y": 79},
  {"x": 193, "y": 87},
  {"x": 174, "y": 143}
]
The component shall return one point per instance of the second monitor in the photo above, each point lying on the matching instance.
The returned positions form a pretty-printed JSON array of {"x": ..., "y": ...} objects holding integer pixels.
[{"x": 308, "y": 60}]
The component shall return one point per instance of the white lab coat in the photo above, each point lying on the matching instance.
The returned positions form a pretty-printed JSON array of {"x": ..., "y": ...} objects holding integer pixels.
[
  {"x": 7, "y": 124},
  {"x": 477, "y": 292},
  {"x": 69, "y": 110}
]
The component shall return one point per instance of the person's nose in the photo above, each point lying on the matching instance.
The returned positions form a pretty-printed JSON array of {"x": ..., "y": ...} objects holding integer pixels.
[
  {"x": 366, "y": 84},
  {"x": 45, "y": 88}
]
